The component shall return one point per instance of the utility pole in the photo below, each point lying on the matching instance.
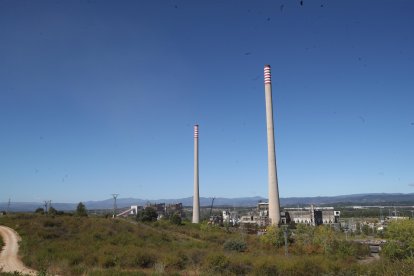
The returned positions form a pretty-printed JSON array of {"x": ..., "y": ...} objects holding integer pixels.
[
  {"x": 114, "y": 210},
  {"x": 46, "y": 206}
]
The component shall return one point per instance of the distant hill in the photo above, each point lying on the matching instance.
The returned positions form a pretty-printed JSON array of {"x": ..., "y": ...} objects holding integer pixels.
[{"x": 355, "y": 199}]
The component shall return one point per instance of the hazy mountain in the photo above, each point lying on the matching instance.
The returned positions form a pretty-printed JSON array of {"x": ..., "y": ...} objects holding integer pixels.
[{"x": 355, "y": 199}]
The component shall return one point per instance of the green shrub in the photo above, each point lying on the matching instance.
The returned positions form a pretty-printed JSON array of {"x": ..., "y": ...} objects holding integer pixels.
[
  {"x": 235, "y": 245},
  {"x": 40, "y": 211},
  {"x": 176, "y": 261},
  {"x": 393, "y": 250},
  {"x": 176, "y": 219},
  {"x": 217, "y": 263},
  {"x": 147, "y": 215},
  {"x": 400, "y": 236},
  {"x": 274, "y": 237},
  {"x": 145, "y": 259}
]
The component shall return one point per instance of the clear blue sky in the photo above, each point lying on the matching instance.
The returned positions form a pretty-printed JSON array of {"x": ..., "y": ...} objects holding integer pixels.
[{"x": 100, "y": 97}]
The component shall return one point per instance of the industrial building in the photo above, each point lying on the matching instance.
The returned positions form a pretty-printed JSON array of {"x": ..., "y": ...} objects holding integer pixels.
[
  {"x": 162, "y": 209},
  {"x": 166, "y": 210},
  {"x": 314, "y": 215},
  {"x": 308, "y": 215}
]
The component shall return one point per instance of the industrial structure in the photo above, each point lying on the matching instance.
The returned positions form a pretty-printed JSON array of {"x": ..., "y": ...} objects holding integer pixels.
[
  {"x": 309, "y": 215},
  {"x": 196, "y": 197},
  {"x": 314, "y": 215},
  {"x": 163, "y": 210},
  {"x": 274, "y": 205}
]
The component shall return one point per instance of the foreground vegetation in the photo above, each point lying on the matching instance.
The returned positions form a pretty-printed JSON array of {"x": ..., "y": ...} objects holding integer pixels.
[{"x": 71, "y": 245}]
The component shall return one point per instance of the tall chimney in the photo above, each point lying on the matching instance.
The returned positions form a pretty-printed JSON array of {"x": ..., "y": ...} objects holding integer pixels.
[
  {"x": 196, "y": 197},
  {"x": 274, "y": 205}
]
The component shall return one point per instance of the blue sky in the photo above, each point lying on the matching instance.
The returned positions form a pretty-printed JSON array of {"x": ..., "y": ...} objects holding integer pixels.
[{"x": 100, "y": 97}]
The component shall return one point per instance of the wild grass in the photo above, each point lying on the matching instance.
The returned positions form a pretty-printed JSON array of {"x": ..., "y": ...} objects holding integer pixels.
[{"x": 66, "y": 245}]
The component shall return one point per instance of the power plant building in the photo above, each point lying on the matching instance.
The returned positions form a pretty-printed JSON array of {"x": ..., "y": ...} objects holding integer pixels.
[
  {"x": 314, "y": 215},
  {"x": 309, "y": 215}
]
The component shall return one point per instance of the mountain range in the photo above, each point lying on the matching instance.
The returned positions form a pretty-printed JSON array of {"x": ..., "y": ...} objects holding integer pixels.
[{"x": 354, "y": 199}]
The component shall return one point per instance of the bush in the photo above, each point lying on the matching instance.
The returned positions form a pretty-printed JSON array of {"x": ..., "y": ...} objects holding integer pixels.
[
  {"x": 40, "y": 211},
  {"x": 217, "y": 263},
  {"x": 147, "y": 215},
  {"x": 393, "y": 250},
  {"x": 176, "y": 261},
  {"x": 400, "y": 235},
  {"x": 145, "y": 260},
  {"x": 274, "y": 237},
  {"x": 235, "y": 245},
  {"x": 176, "y": 219}
]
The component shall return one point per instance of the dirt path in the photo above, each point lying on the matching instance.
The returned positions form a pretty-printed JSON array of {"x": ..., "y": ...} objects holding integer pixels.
[{"x": 9, "y": 260}]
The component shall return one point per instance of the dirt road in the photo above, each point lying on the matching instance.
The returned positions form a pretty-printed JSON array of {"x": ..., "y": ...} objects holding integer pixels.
[{"x": 9, "y": 260}]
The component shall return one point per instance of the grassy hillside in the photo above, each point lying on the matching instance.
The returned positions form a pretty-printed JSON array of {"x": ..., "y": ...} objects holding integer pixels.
[{"x": 68, "y": 245}]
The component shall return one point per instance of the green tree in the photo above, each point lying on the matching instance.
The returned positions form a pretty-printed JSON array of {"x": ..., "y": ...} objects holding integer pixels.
[
  {"x": 366, "y": 230},
  {"x": 81, "y": 210},
  {"x": 303, "y": 239},
  {"x": 326, "y": 238},
  {"x": 304, "y": 234},
  {"x": 52, "y": 211},
  {"x": 400, "y": 236},
  {"x": 274, "y": 236},
  {"x": 148, "y": 214},
  {"x": 175, "y": 219},
  {"x": 40, "y": 211}
]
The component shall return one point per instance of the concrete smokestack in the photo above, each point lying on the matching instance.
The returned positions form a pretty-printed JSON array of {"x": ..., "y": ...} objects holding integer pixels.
[
  {"x": 196, "y": 197},
  {"x": 274, "y": 205}
]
